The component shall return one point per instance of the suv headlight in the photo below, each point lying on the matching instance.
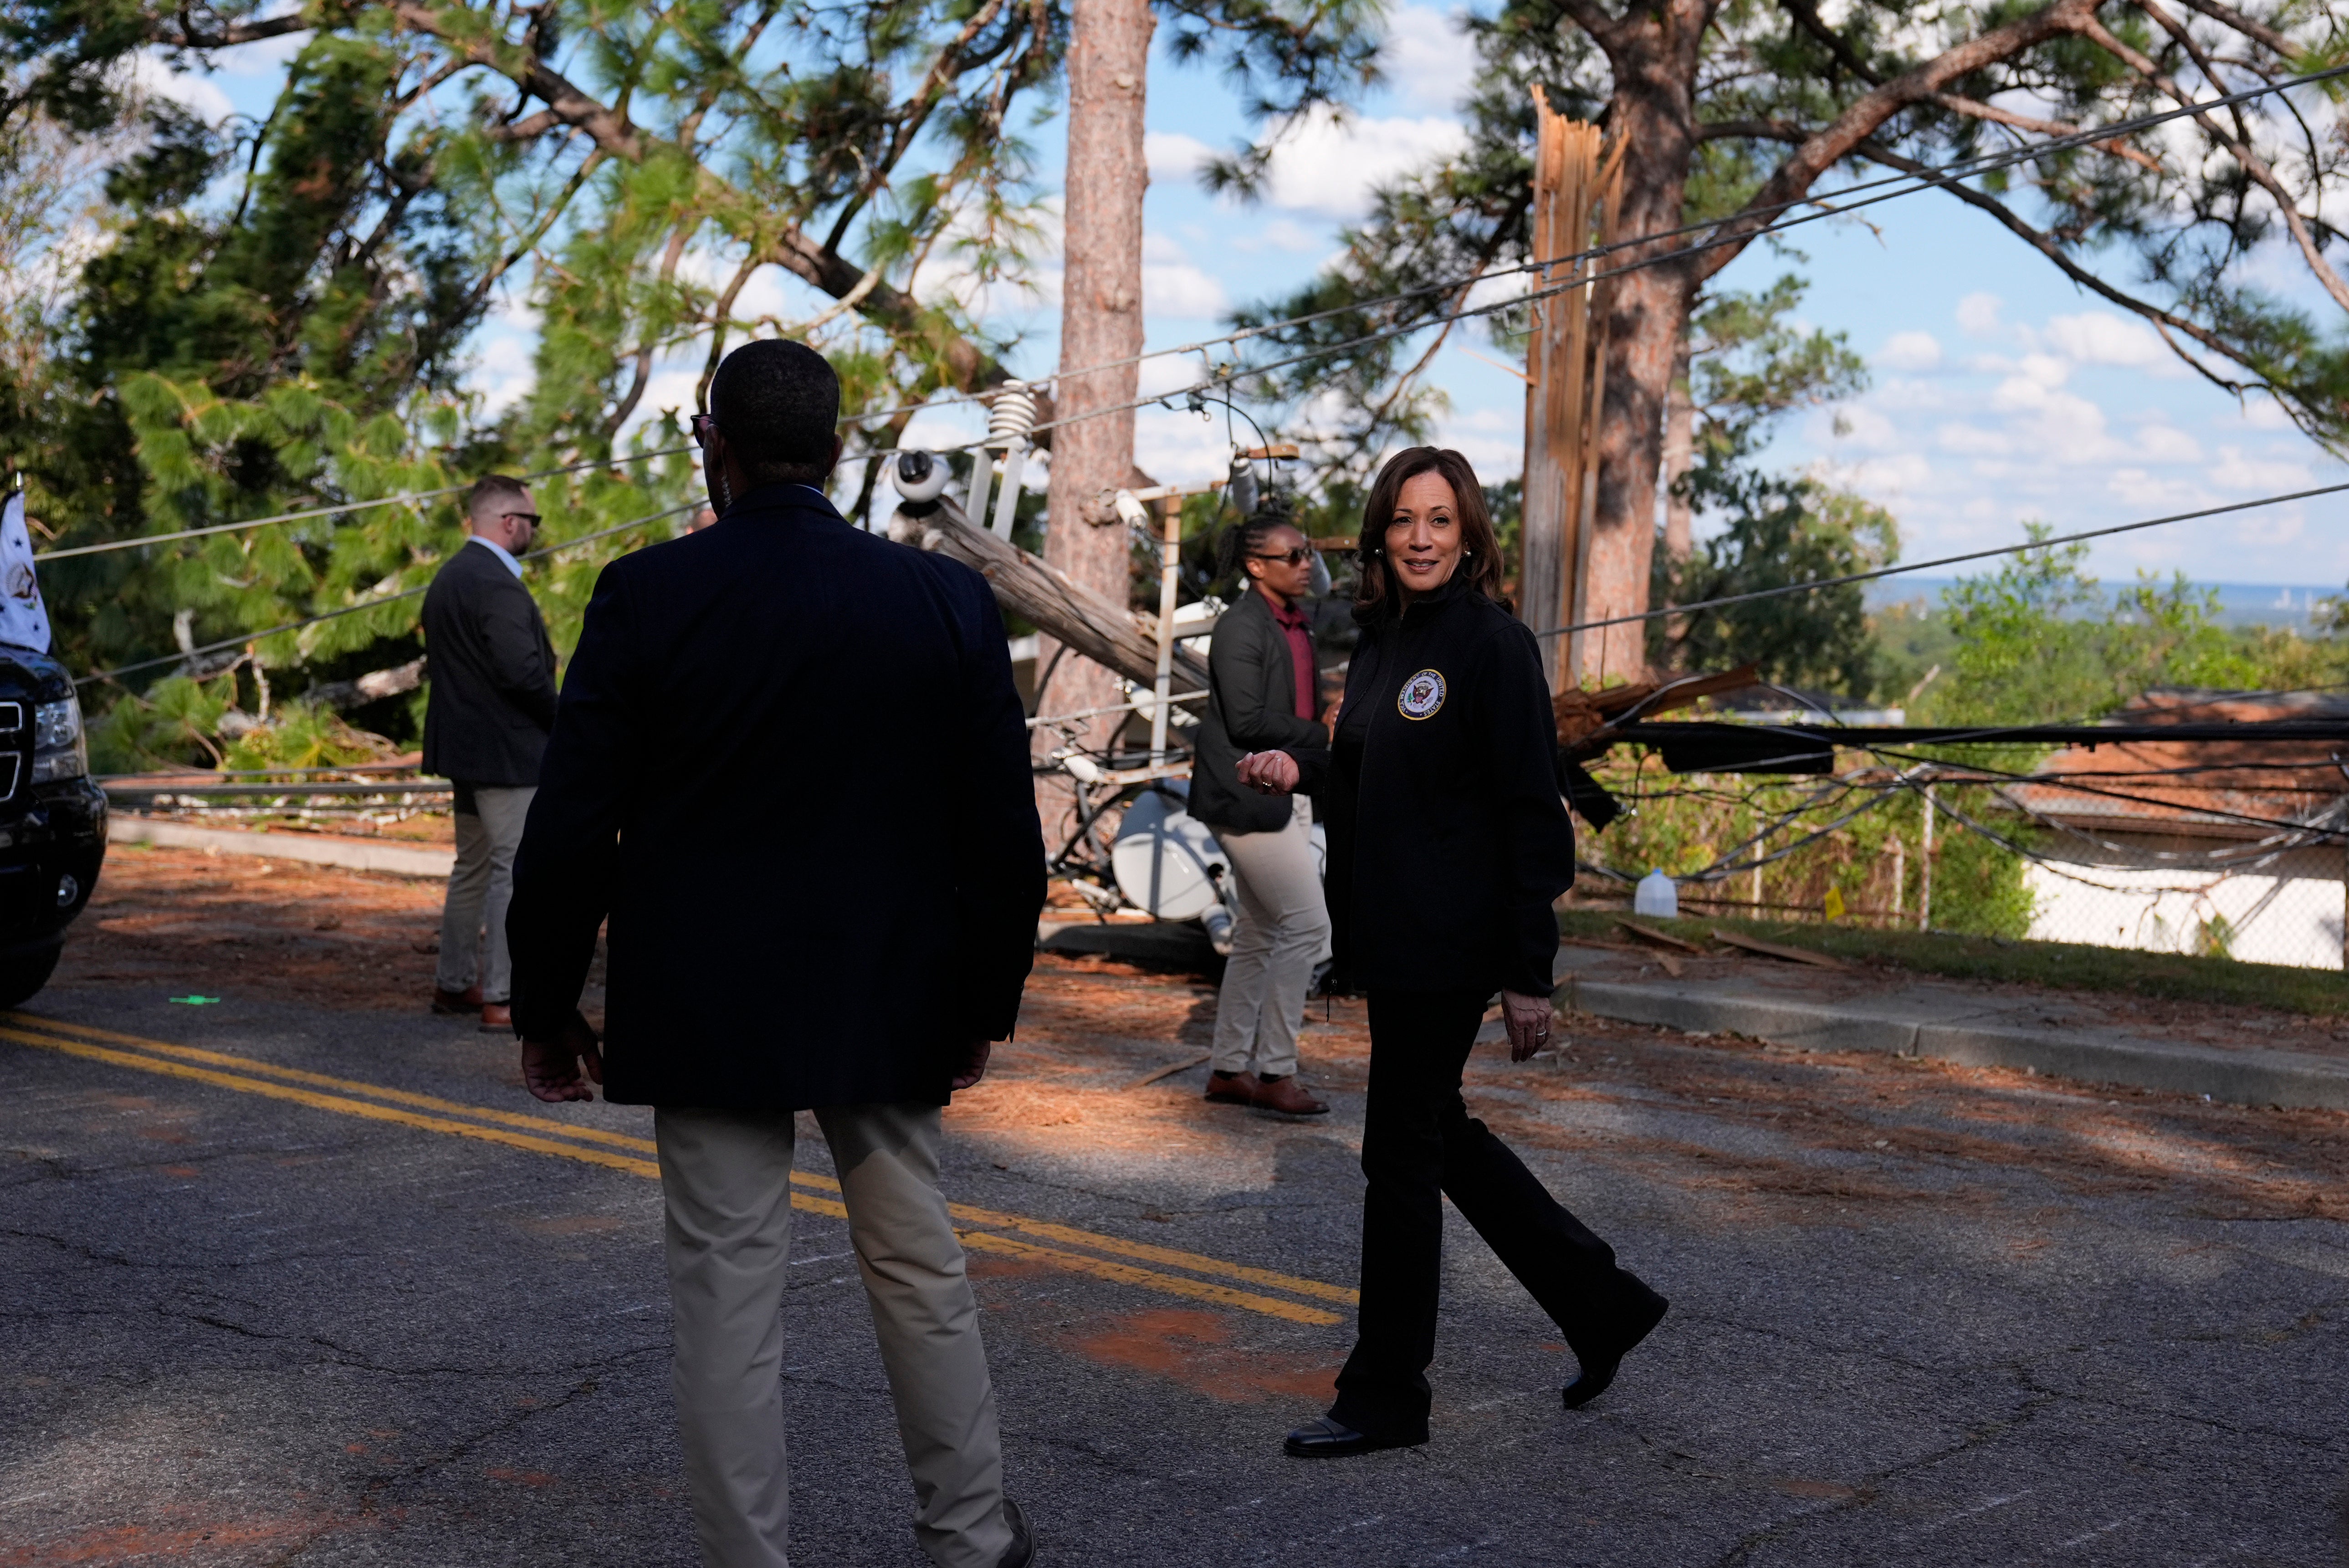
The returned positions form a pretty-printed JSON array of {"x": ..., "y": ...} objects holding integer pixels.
[{"x": 59, "y": 749}]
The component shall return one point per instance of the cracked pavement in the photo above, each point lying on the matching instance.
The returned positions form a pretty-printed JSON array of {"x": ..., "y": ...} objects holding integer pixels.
[{"x": 1921, "y": 1315}]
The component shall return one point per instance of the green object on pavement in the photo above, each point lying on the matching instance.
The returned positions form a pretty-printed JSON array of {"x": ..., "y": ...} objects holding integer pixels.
[{"x": 194, "y": 1001}]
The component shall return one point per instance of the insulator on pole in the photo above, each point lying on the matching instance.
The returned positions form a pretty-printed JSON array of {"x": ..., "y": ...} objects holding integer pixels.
[{"x": 1012, "y": 416}]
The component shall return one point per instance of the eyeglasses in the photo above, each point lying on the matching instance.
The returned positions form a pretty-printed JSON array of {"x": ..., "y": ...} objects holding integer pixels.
[
  {"x": 702, "y": 426},
  {"x": 1298, "y": 556},
  {"x": 529, "y": 517}
]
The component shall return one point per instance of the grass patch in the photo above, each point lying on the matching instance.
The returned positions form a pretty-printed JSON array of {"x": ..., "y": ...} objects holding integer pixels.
[{"x": 2171, "y": 977}]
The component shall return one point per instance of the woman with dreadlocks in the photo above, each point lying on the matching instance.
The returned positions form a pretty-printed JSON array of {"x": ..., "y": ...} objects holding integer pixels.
[{"x": 1262, "y": 694}]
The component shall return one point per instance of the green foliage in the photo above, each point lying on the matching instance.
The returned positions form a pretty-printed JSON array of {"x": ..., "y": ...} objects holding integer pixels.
[
  {"x": 1749, "y": 366},
  {"x": 171, "y": 724},
  {"x": 280, "y": 315},
  {"x": 1979, "y": 887},
  {"x": 304, "y": 736},
  {"x": 2038, "y": 641},
  {"x": 1780, "y": 531}
]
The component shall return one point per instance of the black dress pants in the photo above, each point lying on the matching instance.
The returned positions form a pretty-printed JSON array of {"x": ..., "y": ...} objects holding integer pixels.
[{"x": 1420, "y": 1145}]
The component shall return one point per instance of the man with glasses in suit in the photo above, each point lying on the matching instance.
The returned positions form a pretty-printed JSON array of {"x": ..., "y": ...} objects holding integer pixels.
[{"x": 485, "y": 727}]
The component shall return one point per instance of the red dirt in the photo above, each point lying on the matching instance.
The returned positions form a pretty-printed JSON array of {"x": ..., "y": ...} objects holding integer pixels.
[{"x": 1923, "y": 1132}]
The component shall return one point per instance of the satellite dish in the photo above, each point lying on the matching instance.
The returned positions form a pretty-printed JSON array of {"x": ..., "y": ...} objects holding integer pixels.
[
  {"x": 918, "y": 474},
  {"x": 1166, "y": 860}
]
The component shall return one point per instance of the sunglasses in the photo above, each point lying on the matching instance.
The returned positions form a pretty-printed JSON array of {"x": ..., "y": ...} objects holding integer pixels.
[
  {"x": 701, "y": 424},
  {"x": 1296, "y": 556},
  {"x": 529, "y": 517}
]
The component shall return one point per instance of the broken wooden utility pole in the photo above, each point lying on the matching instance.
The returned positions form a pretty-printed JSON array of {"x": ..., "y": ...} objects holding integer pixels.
[
  {"x": 1100, "y": 322},
  {"x": 1575, "y": 187}
]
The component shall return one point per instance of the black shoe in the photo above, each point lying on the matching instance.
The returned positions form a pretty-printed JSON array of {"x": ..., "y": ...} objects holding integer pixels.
[
  {"x": 1022, "y": 1550},
  {"x": 1599, "y": 1368},
  {"x": 1326, "y": 1439}
]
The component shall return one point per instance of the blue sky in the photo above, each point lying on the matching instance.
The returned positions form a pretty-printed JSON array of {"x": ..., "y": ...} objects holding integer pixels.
[{"x": 2001, "y": 393}]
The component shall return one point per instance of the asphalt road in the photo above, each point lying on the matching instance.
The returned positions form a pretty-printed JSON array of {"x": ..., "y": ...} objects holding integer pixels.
[{"x": 289, "y": 1285}]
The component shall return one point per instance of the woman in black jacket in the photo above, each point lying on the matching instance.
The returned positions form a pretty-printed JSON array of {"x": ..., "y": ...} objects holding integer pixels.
[
  {"x": 1263, "y": 692},
  {"x": 1448, "y": 842}
]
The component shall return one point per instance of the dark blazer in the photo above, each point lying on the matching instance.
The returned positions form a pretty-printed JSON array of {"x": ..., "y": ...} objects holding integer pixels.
[
  {"x": 491, "y": 672},
  {"x": 791, "y": 768},
  {"x": 1251, "y": 707},
  {"x": 1448, "y": 840}
]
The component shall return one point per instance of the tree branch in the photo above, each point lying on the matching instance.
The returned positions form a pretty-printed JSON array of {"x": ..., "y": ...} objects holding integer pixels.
[
  {"x": 2267, "y": 37},
  {"x": 188, "y": 37},
  {"x": 965, "y": 364},
  {"x": 1840, "y": 139},
  {"x": 2252, "y": 163},
  {"x": 2164, "y": 322},
  {"x": 1805, "y": 13},
  {"x": 1974, "y": 109}
]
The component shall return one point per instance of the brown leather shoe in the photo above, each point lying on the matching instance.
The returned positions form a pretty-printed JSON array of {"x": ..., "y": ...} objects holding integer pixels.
[
  {"x": 1287, "y": 1095},
  {"x": 497, "y": 1018},
  {"x": 1232, "y": 1088},
  {"x": 469, "y": 1000}
]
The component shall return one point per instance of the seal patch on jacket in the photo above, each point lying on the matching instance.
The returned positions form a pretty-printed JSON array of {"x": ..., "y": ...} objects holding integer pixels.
[{"x": 1421, "y": 694}]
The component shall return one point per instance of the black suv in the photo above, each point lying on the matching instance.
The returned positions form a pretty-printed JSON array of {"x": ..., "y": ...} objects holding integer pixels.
[{"x": 52, "y": 820}]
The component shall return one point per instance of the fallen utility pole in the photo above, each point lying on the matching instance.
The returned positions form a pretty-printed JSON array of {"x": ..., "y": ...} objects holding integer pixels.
[{"x": 1108, "y": 634}]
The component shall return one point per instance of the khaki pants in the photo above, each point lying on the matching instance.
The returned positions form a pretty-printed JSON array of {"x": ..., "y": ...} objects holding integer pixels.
[
  {"x": 726, "y": 1183},
  {"x": 473, "y": 920},
  {"x": 1281, "y": 930}
]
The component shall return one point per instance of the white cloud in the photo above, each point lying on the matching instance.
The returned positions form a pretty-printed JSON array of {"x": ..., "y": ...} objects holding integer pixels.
[
  {"x": 1978, "y": 314},
  {"x": 1910, "y": 351},
  {"x": 1889, "y": 477},
  {"x": 501, "y": 372},
  {"x": 1174, "y": 285},
  {"x": 2100, "y": 338},
  {"x": 1328, "y": 164},
  {"x": 1174, "y": 156},
  {"x": 2162, "y": 443},
  {"x": 1279, "y": 233},
  {"x": 1428, "y": 60},
  {"x": 149, "y": 70},
  {"x": 2236, "y": 471},
  {"x": 1971, "y": 440}
]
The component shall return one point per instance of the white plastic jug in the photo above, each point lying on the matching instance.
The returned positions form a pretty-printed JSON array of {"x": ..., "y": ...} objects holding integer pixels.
[{"x": 1657, "y": 895}]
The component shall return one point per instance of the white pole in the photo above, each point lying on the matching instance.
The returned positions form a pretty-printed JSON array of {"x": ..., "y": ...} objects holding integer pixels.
[
  {"x": 1170, "y": 565},
  {"x": 982, "y": 473},
  {"x": 1900, "y": 873},
  {"x": 1925, "y": 869},
  {"x": 1006, "y": 503}
]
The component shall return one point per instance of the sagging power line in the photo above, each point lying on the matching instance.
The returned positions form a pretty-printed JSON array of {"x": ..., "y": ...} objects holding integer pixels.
[{"x": 226, "y": 643}]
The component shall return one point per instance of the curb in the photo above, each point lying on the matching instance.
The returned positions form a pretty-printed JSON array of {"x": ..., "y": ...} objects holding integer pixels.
[
  {"x": 317, "y": 849},
  {"x": 2284, "y": 1078}
]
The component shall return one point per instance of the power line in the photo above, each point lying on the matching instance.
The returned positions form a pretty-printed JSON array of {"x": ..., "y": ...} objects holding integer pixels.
[
  {"x": 146, "y": 538},
  {"x": 1944, "y": 560},
  {"x": 1917, "y": 181},
  {"x": 227, "y": 643}
]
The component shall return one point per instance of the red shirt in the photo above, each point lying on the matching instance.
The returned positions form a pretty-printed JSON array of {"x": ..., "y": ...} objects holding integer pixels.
[{"x": 1292, "y": 623}]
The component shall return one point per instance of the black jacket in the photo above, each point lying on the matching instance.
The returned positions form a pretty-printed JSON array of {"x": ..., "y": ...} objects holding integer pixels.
[
  {"x": 1251, "y": 707},
  {"x": 790, "y": 767},
  {"x": 492, "y": 674},
  {"x": 1448, "y": 841}
]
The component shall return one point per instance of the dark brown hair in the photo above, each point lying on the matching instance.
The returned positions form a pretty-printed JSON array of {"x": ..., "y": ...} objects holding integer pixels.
[
  {"x": 1378, "y": 598},
  {"x": 483, "y": 502}
]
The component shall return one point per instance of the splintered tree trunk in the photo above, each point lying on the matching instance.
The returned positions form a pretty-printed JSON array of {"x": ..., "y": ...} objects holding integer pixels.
[{"x": 1100, "y": 320}]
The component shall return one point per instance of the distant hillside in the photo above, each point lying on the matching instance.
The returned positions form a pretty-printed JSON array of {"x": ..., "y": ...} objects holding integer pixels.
[{"x": 2240, "y": 604}]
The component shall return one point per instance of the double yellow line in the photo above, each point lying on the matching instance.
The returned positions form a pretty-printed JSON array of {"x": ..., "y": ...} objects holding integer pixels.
[{"x": 984, "y": 1230}]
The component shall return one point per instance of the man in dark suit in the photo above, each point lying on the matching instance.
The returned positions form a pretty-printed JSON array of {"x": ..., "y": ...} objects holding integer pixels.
[
  {"x": 802, "y": 918},
  {"x": 485, "y": 727}
]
